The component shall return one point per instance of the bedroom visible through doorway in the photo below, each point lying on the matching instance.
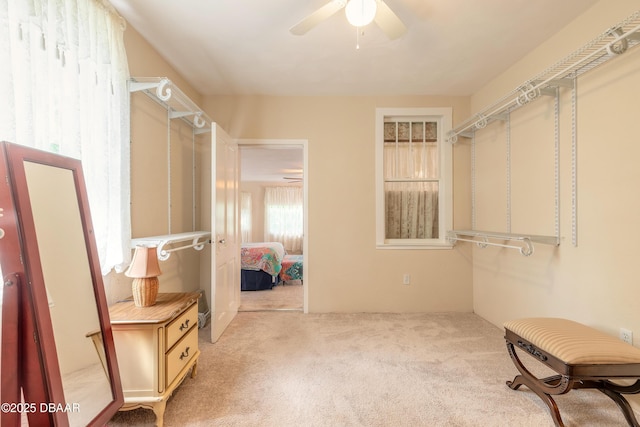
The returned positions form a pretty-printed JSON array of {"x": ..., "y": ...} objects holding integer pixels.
[{"x": 273, "y": 220}]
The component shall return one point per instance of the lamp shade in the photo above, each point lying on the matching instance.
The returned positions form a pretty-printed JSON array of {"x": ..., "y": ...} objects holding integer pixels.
[
  {"x": 360, "y": 12},
  {"x": 144, "y": 263}
]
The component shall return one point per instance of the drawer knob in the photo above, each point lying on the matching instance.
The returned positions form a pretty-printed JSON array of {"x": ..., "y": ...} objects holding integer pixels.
[
  {"x": 184, "y": 354},
  {"x": 185, "y": 325}
]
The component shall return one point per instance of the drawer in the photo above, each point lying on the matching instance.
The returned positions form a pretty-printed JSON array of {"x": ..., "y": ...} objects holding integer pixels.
[
  {"x": 181, "y": 354},
  {"x": 179, "y": 327}
]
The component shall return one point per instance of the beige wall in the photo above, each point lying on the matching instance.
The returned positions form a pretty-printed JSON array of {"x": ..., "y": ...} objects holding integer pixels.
[
  {"x": 596, "y": 281},
  {"x": 346, "y": 272}
]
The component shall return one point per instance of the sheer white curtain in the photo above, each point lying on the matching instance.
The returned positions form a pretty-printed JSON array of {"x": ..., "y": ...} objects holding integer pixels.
[
  {"x": 411, "y": 161},
  {"x": 246, "y": 211},
  {"x": 283, "y": 217},
  {"x": 63, "y": 88},
  {"x": 411, "y": 205}
]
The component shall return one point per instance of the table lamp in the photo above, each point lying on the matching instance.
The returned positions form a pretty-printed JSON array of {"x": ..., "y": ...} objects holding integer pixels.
[{"x": 144, "y": 270}]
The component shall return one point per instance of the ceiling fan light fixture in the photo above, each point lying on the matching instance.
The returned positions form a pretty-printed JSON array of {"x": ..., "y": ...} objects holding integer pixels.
[{"x": 360, "y": 12}]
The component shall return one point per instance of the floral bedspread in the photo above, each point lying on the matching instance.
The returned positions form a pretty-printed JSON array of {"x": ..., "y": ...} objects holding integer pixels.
[
  {"x": 262, "y": 256},
  {"x": 291, "y": 267}
]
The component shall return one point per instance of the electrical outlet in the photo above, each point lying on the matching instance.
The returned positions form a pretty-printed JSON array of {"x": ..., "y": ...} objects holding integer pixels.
[
  {"x": 626, "y": 336},
  {"x": 406, "y": 279}
]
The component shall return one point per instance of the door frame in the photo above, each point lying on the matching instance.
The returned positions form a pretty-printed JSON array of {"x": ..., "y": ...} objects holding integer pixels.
[{"x": 304, "y": 144}]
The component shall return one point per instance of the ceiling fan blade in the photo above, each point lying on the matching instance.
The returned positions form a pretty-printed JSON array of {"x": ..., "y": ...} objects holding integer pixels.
[
  {"x": 317, "y": 17},
  {"x": 388, "y": 21}
]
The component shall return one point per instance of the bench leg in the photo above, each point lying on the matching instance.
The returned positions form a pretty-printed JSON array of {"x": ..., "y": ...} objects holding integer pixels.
[
  {"x": 544, "y": 388},
  {"x": 623, "y": 405},
  {"x": 615, "y": 392}
]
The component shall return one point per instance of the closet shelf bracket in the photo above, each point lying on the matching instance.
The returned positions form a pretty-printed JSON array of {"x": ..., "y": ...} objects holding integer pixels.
[
  {"x": 180, "y": 106},
  {"x": 486, "y": 238},
  {"x": 167, "y": 244}
]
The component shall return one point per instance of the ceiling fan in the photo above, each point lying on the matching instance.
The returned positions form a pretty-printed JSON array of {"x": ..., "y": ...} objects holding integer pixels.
[
  {"x": 291, "y": 179},
  {"x": 359, "y": 13}
]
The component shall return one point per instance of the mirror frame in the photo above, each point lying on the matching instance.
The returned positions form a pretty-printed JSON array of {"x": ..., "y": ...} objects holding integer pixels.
[{"x": 39, "y": 373}]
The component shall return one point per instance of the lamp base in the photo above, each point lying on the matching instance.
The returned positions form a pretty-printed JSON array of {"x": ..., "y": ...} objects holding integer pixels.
[{"x": 145, "y": 291}]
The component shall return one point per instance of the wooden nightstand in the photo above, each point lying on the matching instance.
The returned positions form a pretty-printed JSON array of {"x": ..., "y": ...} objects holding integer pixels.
[{"x": 156, "y": 346}]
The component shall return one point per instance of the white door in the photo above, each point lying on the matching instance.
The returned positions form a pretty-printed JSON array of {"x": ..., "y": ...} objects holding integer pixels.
[{"x": 225, "y": 249}]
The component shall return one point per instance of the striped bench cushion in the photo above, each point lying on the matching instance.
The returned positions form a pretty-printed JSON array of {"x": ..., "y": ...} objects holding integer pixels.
[{"x": 574, "y": 343}]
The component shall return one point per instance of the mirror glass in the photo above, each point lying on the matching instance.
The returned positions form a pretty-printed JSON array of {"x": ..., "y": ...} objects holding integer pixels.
[{"x": 70, "y": 292}]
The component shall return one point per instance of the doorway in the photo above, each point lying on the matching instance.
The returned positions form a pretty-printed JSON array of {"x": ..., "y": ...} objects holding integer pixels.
[{"x": 274, "y": 163}]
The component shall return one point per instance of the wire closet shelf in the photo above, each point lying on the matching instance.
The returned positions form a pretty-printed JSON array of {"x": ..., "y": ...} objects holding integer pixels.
[
  {"x": 612, "y": 43},
  {"x": 180, "y": 107}
]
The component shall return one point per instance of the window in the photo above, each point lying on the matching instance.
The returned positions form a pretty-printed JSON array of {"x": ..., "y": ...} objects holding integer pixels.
[
  {"x": 63, "y": 86},
  {"x": 413, "y": 177},
  {"x": 283, "y": 215},
  {"x": 246, "y": 210}
]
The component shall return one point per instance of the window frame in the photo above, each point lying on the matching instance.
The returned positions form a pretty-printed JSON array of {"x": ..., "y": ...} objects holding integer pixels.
[{"x": 443, "y": 116}]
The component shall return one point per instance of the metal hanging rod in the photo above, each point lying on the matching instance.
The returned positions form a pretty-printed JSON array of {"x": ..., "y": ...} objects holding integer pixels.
[
  {"x": 613, "y": 42},
  {"x": 180, "y": 106},
  {"x": 484, "y": 239},
  {"x": 197, "y": 246}
]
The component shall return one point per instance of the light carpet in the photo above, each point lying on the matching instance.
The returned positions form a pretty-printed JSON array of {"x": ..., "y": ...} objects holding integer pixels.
[
  {"x": 281, "y": 297},
  {"x": 294, "y": 369}
]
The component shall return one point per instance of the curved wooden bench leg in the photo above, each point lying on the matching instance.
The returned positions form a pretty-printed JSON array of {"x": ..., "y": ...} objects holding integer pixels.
[
  {"x": 624, "y": 406},
  {"x": 623, "y": 389},
  {"x": 554, "y": 380},
  {"x": 543, "y": 388},
  {"x": 516, "y": 382},
  {"x": 615, "y": 392}
]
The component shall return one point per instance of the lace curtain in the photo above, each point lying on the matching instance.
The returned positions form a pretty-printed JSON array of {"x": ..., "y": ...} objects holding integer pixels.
[
  {"x": 63, "y": 86},
  {"x": 283, "y": 217},
  {"x": 412, "y": 210},
  {"x": 411, "y": 207}
]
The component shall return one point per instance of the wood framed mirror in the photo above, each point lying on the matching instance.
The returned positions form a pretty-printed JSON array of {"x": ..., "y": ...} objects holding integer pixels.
[{"x": 58, "y": 365}]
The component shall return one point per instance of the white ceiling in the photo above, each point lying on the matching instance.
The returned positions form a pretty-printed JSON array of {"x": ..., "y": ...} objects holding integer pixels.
[
  {"x": 452, "y": 47},
  {"x": 271, "y": 163}
]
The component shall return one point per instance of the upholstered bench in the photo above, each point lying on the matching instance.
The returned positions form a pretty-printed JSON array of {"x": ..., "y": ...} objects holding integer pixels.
[{"x": 582, "y": 357}]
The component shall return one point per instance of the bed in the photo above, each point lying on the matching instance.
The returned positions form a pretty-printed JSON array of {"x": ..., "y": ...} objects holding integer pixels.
[
  {"x": 291, "y": 268},
  {"x": 261, "y": 264}
]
